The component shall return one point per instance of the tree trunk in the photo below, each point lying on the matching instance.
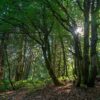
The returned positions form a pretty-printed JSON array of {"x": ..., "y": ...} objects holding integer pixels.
[
  {"x": 78, "y": 60},
  {"x": 20, "y": 65},
  {"x": 2, "y": 55},
  {"x": 86, "y": 42},
  {"x": 93, "y": 69},
  {"x": 48, "y": 61},
  {"x": 65, "y": 71},
  {"x": 1, "y": 63}
]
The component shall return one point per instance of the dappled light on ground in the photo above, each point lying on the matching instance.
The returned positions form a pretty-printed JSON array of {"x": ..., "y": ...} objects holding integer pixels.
[{"x": 51, "y": 92}]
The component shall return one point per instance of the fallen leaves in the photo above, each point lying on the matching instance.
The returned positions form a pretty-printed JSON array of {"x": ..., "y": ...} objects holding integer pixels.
[{"x": 50, "y": 92}]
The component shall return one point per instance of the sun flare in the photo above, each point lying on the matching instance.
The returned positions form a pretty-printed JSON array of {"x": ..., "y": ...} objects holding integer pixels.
[{"x": 79, "y": 31}]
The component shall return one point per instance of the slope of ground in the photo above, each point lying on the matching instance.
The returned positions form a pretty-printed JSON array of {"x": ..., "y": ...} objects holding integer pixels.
[{"x": 50, "y": 92}]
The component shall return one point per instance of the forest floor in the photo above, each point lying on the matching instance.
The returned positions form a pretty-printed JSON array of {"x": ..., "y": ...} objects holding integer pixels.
[{"x": 51, "y": 92}]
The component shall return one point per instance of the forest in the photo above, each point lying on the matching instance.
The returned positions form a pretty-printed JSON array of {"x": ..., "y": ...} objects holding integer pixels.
[{"x": 49, "y": 50}]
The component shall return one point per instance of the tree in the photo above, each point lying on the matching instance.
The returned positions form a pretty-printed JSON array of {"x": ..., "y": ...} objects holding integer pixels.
[
  {"x": 37, "y": 21},
  {"x": 88, "y": 8},
  {"x": 2, "y": 55}
]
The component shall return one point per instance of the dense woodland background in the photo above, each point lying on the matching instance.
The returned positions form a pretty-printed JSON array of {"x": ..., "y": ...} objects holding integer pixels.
[{"x": 49, "y": 42}]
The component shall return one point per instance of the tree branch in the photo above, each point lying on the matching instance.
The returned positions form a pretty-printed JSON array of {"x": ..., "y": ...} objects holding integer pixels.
[{"x": 79, "y": 5}]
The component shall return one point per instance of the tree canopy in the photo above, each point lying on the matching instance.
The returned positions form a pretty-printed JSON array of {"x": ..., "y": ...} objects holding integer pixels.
[{"x": 49, "y": 40}]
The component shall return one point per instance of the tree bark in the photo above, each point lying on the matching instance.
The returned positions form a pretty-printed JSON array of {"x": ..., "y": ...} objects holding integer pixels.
[
  {"x": 86, "y": 42},
  {"x": 2, "y": 44},
  {"x": 78, "y": 60},
  {"x": 48, "y": 62},
  {"x": 93, "y": 52}
]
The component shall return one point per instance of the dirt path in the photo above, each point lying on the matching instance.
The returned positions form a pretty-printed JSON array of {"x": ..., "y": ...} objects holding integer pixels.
[{"x": 51, "y": 92}]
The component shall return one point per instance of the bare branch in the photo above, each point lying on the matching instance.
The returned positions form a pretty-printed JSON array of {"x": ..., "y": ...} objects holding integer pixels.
[
  {"x": 58, "y": 17},
  {"x": 6, "y": 21},
  {"x": 65, "y": 10},
  {"x": 79, "y": 5},
  {"x": 24, "y": 29}
]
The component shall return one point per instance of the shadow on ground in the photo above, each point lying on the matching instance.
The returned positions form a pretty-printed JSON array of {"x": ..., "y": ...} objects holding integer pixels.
[{"x": 50, "y": 92}]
